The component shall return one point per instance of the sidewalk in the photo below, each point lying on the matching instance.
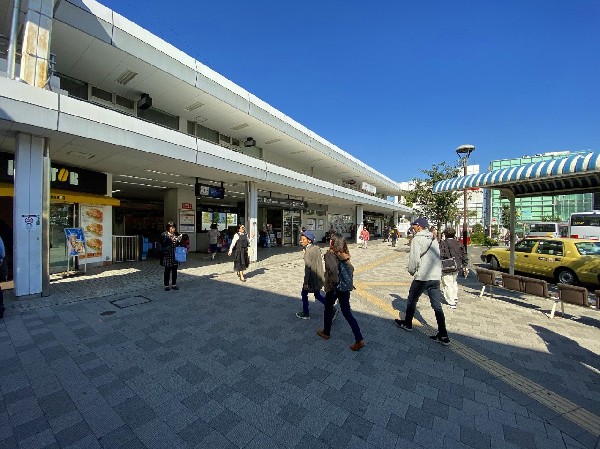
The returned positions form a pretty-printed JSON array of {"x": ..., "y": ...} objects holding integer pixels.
[{"x": 111, "y": 360}]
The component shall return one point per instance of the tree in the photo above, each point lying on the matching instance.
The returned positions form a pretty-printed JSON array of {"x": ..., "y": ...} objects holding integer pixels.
[
  {"x": 439, "y": 208},
  {"x": 506, "y": 216}
]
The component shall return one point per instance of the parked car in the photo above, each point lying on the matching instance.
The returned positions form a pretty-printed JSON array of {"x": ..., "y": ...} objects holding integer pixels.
[{"x": 565, "y": 260}]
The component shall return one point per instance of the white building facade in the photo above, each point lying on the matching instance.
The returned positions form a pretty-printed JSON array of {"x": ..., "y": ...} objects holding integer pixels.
[{"x": 106, "y": 128}]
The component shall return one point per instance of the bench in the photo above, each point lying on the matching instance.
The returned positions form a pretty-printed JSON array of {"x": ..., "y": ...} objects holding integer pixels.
[
  {"x": 521, "y": 284},
  {"x": 486, "y": 278}
]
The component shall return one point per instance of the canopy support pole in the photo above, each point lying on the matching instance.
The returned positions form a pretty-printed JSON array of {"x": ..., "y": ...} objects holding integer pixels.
[{"x": 510, "y": 196}]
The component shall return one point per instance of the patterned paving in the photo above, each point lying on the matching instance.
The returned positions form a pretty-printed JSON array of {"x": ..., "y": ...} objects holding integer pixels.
[{"x": 225, "y": 364}]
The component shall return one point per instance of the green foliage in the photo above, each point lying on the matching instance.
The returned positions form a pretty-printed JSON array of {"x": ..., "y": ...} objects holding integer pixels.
[
  {"x": 477, "y": 227},
  {"x": 439, "y": 208},
  {"x": 478, "y": 237},
  {"x": 506, "y": 216}
]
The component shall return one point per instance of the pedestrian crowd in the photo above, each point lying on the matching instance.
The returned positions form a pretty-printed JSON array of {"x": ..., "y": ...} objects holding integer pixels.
[{"x": 434, "y": 265}]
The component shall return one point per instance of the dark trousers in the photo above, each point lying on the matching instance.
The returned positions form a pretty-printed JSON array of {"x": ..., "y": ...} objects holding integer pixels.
[
  {"x": 344, "y": 299},
  {"x": 304, "y": 296},
  {"x": 394, "y": 241},
  {"x": 417, "y": 288},
  {"x": 173, "y": 271}
]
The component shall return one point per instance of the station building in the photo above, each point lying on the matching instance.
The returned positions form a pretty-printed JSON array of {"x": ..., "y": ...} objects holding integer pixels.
[{"x": 108, "y": 128}]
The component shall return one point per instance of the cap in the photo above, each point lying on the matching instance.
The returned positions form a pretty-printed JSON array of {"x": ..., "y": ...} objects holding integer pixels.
[
  {"x": 421, "y": 221},
  {"x": 170, "y": 223},
  {"x": 309, "y": 235}
]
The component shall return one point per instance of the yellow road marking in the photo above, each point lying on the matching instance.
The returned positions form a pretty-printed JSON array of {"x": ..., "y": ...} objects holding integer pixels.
[
  {"x": 383, "y": 284},
  {"x": 568, "y": 409}
]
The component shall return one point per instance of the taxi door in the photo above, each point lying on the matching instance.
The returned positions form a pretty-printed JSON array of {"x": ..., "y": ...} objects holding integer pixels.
[
  {"x": 547, "y": 256},
  {"x": 523, "y": 254}
]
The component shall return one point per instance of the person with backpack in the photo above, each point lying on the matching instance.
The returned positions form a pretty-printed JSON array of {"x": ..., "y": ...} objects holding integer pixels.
[
  {"x": 339, "y": 280},
  {"x": 450, "y": 248}
]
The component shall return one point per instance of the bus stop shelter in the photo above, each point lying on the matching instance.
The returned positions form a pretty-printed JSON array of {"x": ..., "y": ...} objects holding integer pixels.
[{"x": 577, "y": 173}]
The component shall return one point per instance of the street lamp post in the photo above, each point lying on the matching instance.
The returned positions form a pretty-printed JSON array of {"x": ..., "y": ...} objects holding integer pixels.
[{"x": 463, "y": 152}]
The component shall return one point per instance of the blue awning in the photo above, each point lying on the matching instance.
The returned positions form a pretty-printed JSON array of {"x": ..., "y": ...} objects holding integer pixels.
[{"x": 577, "y": 173}]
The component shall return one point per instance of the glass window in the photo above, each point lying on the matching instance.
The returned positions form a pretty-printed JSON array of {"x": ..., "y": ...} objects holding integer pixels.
[
  {"x": 588, "y": 248},
  {"x": 525, "y": 246},
  {"x": 159, "y": 117},
  {"x": 550, "y": 247},
  {"x": 76, "y": 88},
  {"x": 207, "y": 134}
]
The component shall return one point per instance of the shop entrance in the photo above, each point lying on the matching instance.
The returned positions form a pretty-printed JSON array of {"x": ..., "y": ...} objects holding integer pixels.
[{"x": 62, "y": 215}]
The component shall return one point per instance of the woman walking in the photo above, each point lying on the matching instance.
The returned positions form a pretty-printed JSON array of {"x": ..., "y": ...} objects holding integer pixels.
[
  {"x": 239, "y": 248},
  {"x": 338, "y": 254},
  {"x": 168, "y": 241}
]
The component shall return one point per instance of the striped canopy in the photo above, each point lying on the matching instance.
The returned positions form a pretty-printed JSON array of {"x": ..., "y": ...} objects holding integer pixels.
[{"x": 578, "y": 173}]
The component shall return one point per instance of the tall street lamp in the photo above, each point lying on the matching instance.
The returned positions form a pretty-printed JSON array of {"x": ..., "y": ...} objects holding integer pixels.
[{"x": 464, "y": 151}]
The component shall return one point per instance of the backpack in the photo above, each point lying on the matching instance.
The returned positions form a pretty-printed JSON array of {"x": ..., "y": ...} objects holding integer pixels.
[{"x": 346, "y": 277}]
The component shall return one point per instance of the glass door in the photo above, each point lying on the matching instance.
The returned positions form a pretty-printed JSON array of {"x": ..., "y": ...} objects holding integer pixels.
[{"x": 62, "y": 215}]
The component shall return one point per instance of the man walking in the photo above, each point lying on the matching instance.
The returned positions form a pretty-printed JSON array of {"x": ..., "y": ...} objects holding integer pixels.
[
  {"x": 451, "y": 248},
  {"x": 425, "y": 267},
  {"x": 314, "y": 275}
]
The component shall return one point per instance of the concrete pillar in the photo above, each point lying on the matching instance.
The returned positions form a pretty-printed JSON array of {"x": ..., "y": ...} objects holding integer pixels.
[
  {"x": 27, "y": 214},
  {"x": 252, "y": 217},
  {"x": 396, "y": 219},
  {"x": 359, "y": 221},
  {"x": 174, "y": 203},
  {"x": 36, "y": 43}
]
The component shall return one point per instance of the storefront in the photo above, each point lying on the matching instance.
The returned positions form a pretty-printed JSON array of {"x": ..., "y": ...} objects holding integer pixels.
[
  {"x": 282, "y": 217},
  {"x": 77, "y": 200}
]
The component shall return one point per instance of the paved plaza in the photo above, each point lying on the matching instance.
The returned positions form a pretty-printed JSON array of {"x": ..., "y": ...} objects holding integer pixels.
[{"x": 112, "y": 360}]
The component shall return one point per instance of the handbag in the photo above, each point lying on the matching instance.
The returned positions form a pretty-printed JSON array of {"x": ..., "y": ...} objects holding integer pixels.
[
  {"x": 346, "y": 277},
  {"x": 449, "y": 265},
  {"x": 180, "y": 254}
]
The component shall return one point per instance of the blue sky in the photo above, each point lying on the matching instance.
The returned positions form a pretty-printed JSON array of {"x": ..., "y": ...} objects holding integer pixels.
[{"x": 400, "y": 85}]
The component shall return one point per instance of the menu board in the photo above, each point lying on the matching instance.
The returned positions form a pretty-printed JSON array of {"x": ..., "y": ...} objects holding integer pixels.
[{"x": 93, "y": 222}]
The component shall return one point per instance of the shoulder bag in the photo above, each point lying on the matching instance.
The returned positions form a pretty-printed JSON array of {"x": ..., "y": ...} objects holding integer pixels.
[{"x": 448, "y": 263}]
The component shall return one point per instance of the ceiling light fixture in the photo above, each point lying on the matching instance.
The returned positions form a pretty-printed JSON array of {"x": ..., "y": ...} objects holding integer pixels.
[{"x": 269, "y": 142}]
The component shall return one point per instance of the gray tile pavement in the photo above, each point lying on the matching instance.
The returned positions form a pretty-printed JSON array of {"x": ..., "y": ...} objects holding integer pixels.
[{"x": 111, "y": 360}]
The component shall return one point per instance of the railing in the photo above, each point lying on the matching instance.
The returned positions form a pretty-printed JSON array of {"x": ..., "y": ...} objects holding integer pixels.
[{"x": 126, "y": 248}]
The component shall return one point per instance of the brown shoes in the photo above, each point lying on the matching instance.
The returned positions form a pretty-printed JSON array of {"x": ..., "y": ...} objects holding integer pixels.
[
  {"x": 322, "y": 334},
  {"x": 358, "y": 345}
]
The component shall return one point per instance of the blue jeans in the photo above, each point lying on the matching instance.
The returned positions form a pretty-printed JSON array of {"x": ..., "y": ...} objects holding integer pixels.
[
  {"x": 344, "y": 298},
  {"x": 318, "y": 297},
  {"x": 435, "y": 299}
]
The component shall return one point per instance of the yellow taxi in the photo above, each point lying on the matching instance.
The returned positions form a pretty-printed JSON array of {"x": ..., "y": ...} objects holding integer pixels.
[{"x": 565, "y": 260}]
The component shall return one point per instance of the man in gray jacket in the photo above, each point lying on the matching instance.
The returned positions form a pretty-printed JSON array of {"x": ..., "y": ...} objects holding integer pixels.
[
  {"x": 314, "y": 275},
  {"x": 424, "y": 264}
]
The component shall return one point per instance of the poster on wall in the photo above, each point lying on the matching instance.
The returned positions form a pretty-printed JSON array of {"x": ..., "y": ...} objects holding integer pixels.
[
  {"x": 94, "y": 221},
  {"x": 187, "y": 220},
  {"x": 310, "y": 224}
]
